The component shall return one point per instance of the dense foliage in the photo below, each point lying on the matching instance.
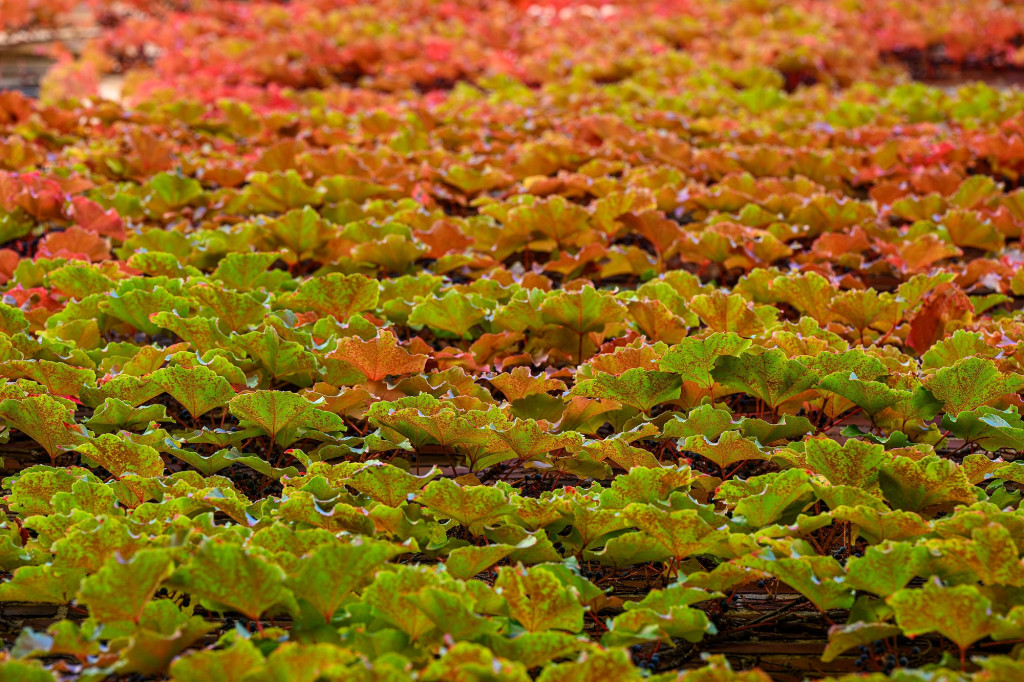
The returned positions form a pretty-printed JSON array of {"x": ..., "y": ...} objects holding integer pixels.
[{"x": 499, "y": 340}]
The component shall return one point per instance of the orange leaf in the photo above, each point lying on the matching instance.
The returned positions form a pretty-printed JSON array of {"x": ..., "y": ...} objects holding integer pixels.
[
  {"x": 379, "y": 357},
  {"x": 943, "y": 305},
  {"x": 75, "y": 243}
]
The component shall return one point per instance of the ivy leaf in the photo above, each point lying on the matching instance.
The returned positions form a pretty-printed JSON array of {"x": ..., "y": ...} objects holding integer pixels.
[
  {"x": 228, "y": 577},
  {"x": 877, "y": 525},
  {"x": 875, "y": 397},
  {"x": 842, "y": 638},
  {"x": 819, "y": 578},
  {"x": 930, "y": 482},
  {"x": 971, "y": 383},
  {"x": 770, "y": 376},
  {"x": 703, "y": 420},
  {"x": 455, "y": 312},
  {"x": 472, "y": 506},
  {"x": 727, "y": 313},
  {"x": 230, "y": 664},
  {"x": 519, "y": 384},
  {"x": 338, "y": 295},
  {"x": 988, "y": 428},
  {"x": 538, "y": 600},
  {"x": 766, "y": 433},
  {"x": 960, "y": 613},
  {"x": 886, "y": 568},
  {"x": 472, "y": 661},
  {"x": 855, "y": 463},
  {"x": 579, "y": 314},
  {"x": 41, "y": 584},
  {"x": 164, "y": 631},
  {"x": 638, "y": 626},
  {"x": 962, "y": 344},
  {"x": 769, "y": 498},
  {"x": 618, "y": 448},
  {"x": 526, "y": 439},
  {"x": 45, "y": 419},
  {"x": 278, "y": 358},
  {"x": 465, "y": 562},
  {"x": 645, "y": 485},
  {"x": 391, "y": 594},
  {"x": 198, "y": 389},
  {"x": 244, "y": 271},
  {"x": 639, "y": 388},
  {"x": 387, "y": 484},
  {"x": 594, "y": 665},
  {"x": 681, "y": 533},
  {"x": 58, "y": 377},
  {"x": 114, "y": 415},
  {"x": 121, "y": 589},
  {"x": 332, "y": 514},
  {"x": 332, "y": 572},
  {"x": 379, "y": 357},
  {"x": 731, "y": 448},
  {"x": 120, "y": 456},
  {"x": 283, "y": 415},
  {"x": 693, "y": 359}
]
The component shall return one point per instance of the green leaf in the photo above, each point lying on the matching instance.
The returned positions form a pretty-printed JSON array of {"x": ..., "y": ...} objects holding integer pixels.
[
  {"x": 930, "y": 482},
  {"x": 819, "y": 578},
  {"x": 41, "y": 584},
  {"x": 731, "y": 448},
  {"x": 198, "y": 389},
  {"x": 855, "y": 463},
  {"x": 681, "y": 533},
  {"x": 572, "y": 316},
  {"x": 331, "y": 573},
  {"x": 47, "y": 420},
  {"x": 387, "y": 484},
  {"x": 971, "y": 383},
  {"x": 455, "y": 313},
  {"x": 391, "y": 594},
  {"x": 230, "y": 578},
  {"x": 770, "y": 376},
  {"x": 472, "y": 507},
  {"x": 16, "y": 670},
  {"x": 538, "y": 600},
  {"x": 639, "y": 388},
  {"x": 282, "y": 415},
  {"x": 466, "y": 562},
  {"x": 594, "y": 666},
  {"x": 121, "y": 589},
  {"x": 340, "y": 296},
  {"x": 245, "y": 271},
  {"x": 164, "y": 631},
  {"x": 876, "y": 525},
  {"x": 875, "y": 397},
  {"x": 842, "y": 638},
  {"x": 639, "y": 625},
  {"x": 278, "y": 358},
  {"x": 121, "y": 456},
  {"x": 115, "y": 415},
  {"x": 886, "y": 568},
  {"x": 473, "y": 662},
  {"x": 960, "y": 613},
  {"x": 703, "y": 420},
  {"x": 766, "y": 433},
  {"x": 988, "y": 428},
  {"x": 231, "y": 664},
  {"x": 57, "y": 377},
  {"x": 693, "y": 359},
  {"x": 769, "y": 498},
  {"x": 647, "y": 485}
]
